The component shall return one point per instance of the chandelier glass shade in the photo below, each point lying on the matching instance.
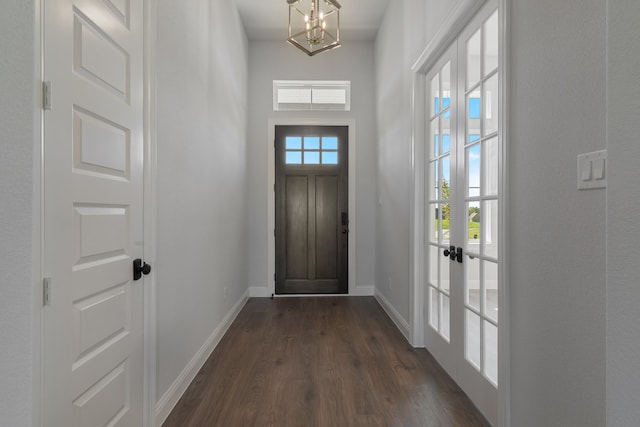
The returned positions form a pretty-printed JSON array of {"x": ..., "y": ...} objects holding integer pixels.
[{"x": 314, "y": 25}]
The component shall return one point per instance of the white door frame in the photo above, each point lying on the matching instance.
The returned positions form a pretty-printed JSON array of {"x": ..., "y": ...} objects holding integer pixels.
[
  {"x": 149, "y": 217},
  {"x": 271, "y": 199},
  {"x": 459, "y": 17}
]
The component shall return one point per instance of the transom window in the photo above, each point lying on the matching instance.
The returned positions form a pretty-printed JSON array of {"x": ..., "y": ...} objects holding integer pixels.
[{"x": 311, "y": 150}]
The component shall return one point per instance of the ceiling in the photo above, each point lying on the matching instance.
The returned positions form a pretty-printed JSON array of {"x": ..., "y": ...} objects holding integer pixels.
[{"x": 268, "y": 19}]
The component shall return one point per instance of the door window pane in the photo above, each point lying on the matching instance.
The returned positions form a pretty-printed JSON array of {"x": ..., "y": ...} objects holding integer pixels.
[
  {"x": 473, "y": 282},
  {"x": 293, "y": 157},
  {"x": 445, "y": 133},
  {"x": 474, "y": 104},
  {"x": 473, "y": 58},
  {"x": 491, "y": 36},
  {"x": 433, "y": 222},
  {"x": 329, "y": 157},
  {"x": 491, "y": 290},
  {"x": 445, "y": 264},
  {"x": 491, "y": 352},
  {"x": 445, "y": 86},
  {"x": 473, "y": 170},
  {"x": 490, "y": 224},
  {"x": 433, "y": 308},
  {"x": 491, "y": 113},
  {"x": 329, "y": 143},
  {"x": 472, "y": 338},
  {"x": 446, "y": 177},
  {"x": 434, "y": 194},
  {"x": 474, "y": 217},
  {"x": 293, "y": 143},
  {"x": 312, "y": 158},
  {"x": 311, "y": 142},
  {"x": 434, "y": 139},
  {"x": 491, "y": 165},
  {"x": 435, "y": 95},
  {"x": 445, "y": 218},
  {"x": 434, "y": 253},
  {"x": 444, "y": 316}
]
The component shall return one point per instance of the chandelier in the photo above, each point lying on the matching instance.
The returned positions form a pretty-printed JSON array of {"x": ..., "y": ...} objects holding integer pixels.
[{"x": 311, "y": 29}]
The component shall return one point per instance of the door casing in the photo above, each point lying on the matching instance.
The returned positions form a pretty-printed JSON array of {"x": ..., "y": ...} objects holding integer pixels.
[{"x": 271, "y": 204}]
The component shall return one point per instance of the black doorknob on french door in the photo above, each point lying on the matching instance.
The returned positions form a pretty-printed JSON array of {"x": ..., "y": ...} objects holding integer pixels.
[
  {"x": 140, "y": 268},
  {"x": 451, "y": 252},
  {"x": 345, "y": 231}
]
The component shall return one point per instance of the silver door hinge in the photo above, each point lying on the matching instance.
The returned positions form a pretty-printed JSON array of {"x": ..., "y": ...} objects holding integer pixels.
[
  {"x": 46, "y": 291},
  {"x": 46, "y": 96}
]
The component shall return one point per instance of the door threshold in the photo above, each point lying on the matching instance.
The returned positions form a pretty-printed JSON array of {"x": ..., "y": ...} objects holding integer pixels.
[{"x": 307, "y": 295}]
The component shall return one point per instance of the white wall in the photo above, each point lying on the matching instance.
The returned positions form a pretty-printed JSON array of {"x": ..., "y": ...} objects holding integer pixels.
[
  {"x": 557, "y": 268},
  {"x": 270, "y": 61},
  {"x": 17, "y": 135},
  {"x": 405, "y": 32},
  {"x": 557, "y": 251},
  {"x": 623, "y": 199},
  {"x": 202, "y": 177}
]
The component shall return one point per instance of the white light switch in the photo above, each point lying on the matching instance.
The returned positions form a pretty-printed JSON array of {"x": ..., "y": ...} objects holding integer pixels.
[{"x": 591, "y": 170}]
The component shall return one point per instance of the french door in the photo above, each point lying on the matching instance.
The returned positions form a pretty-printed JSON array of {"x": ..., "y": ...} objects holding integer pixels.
[{"x": 462, "y": 209}]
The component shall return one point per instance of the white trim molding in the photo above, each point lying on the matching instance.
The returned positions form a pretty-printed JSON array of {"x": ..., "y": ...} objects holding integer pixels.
[
  {"x": 171, "y": 397},
  {"x": 394, "y": 315},
  {"x": 271, "y": 199}
]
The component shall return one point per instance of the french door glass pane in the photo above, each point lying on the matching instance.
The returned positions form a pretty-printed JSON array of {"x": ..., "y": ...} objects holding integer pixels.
[
  {"x": 435, "y": 95},
  {"x": 445, "y": 263},
  {"x": 446, "y": 177},
  {"x": 473, "y": 170},
  {"x": 434, "y": 139},
  {"x": 474, "y": 218},
  {"x": 491, "y": 113},
  {"x": 474, "y": 113},
  {"x": 490, "y": 223},
  {"x": 490, "y": 290},
  {"x": 444, "y": 316},
  {"x": 433, "y": 263},
  {"x": 472, "y": 338},
  {"x": 433, "y": 305},
  {"x": 490, "y": 160},
  {"x": 445, "y": 86},
  {"x": 445, "y": 133},
  {"x": 491, "y": 43},
  {"x": 473, "y": 282},
  {"x": 473, "y": 58},
  {"x": 433, "y": 222},
  {"x": 491, "y": 351},
  {"x": 445, "y": 219},
  {"x": 434, "y": 193}
]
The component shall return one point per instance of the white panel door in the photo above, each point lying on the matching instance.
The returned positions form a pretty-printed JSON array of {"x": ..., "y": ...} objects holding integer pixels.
[
  {"x": 93, "y": 169},
  {"x": 462, "y": 210}
]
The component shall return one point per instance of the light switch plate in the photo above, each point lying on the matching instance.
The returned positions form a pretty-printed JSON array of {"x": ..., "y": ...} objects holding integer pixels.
[{"x": 592, "y": 171}]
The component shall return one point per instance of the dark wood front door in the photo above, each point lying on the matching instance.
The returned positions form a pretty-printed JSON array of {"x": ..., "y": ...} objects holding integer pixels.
[{"x": 312, "y": 218}]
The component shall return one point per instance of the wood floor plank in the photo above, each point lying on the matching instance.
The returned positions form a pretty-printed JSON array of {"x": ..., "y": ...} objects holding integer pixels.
[{"x": 330, "y": 361}]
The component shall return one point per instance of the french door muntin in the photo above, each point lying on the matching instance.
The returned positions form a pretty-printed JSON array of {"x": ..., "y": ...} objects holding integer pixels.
[{"x": 462, "y": 209}]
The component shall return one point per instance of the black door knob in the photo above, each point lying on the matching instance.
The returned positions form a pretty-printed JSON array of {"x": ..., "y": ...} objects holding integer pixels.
[{"x": 140, "y": 268}]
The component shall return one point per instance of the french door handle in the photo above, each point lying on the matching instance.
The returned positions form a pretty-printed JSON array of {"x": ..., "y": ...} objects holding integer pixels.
[
  {"x": 139, "y": 269},
  {"x": 451, "y": 252},
  {"x": 454, "y": 254}
]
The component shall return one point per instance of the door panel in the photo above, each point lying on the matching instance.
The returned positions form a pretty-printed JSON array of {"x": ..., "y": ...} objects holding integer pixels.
[
  {"x": 311, "y": 202},
  {"x": 93, "y": 157},
  {"x": 462, "y": 195}
]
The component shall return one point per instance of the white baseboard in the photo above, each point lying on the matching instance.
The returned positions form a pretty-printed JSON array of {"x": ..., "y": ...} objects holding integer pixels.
[
  {"x": 362, "y": 291},
  {"x": 400, "y": 323},
  {"x": 169, "y": 400},
  {"x": 259, "y": 292}
]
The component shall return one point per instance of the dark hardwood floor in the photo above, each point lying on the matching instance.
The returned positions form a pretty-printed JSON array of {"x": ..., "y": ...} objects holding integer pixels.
[{"x": 334, "y": 361}]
